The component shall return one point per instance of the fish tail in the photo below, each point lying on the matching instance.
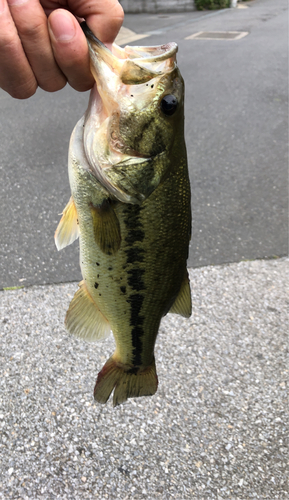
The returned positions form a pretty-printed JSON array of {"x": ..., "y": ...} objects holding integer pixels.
[{"x": 126, "y": 382}]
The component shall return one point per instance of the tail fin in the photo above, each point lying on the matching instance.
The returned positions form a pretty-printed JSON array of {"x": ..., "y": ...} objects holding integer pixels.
[{"x": 127, "y": 383}]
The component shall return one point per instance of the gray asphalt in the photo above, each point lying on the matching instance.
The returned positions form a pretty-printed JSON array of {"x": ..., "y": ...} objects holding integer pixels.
[
  {"x": 216, "y": 429},
  {"x": 236, "y": 132}
]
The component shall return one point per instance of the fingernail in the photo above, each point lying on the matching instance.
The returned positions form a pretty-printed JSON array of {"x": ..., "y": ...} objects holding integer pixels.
[{"x": 62, "y": 27}]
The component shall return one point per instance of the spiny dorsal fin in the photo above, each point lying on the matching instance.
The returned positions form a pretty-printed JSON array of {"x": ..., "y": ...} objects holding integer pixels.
[
  {"x": 106, "y": 227},
  {"x": 67, "y": 230},
  {"x": 127, "y": 382},
  {"x": 183, "y": 302},
  {"x": 84, "y": 319}
]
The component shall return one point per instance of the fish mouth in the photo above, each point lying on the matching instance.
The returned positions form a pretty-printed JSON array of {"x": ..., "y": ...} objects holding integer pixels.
[
  {"x": 133, "y": 64},
  {"x": 119, "y": 73}
]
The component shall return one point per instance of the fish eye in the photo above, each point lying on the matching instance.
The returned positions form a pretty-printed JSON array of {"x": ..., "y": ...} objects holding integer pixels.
[{"x": 169, "y": 104}]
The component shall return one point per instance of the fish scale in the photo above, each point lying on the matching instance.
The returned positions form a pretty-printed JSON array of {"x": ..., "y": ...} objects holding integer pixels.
[{"x": 131, "y": 213}]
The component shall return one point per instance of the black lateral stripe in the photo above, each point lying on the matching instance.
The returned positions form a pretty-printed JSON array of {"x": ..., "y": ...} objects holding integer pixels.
[
  {"x": 136, "y": 321},
  {"x": 132, "y": 214},
  {"x": 135, "y": 279},
  {"x": 136, "y": 301},
  {"x": 134, "y": 254},
  {"x": 133, "y": 223},
  {"x": 137, "y": 334},
  {"x": 135, "y": 235}
]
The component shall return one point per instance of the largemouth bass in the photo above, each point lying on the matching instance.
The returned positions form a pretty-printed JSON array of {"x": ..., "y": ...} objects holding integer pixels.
[{"x": 130, "y": 208}]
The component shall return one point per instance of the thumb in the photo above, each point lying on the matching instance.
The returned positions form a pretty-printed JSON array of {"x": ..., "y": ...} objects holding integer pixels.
[
  {"x": 104, "y": 17},
  {"x": 70, "y": 49}
]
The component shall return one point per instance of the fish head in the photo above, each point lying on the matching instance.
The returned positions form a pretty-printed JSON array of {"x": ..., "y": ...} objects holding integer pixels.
[{"x": 136, "y": 107}]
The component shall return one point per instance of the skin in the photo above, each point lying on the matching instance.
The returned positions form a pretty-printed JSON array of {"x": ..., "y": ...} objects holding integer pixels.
[{"x": 42, "y": 44}]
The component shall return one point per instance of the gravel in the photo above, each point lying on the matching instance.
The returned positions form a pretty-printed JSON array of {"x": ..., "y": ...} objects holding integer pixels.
[{"x": 216, "y": 429}]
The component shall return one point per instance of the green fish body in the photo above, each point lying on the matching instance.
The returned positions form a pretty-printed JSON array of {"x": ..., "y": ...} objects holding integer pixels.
[{"x": 130, "y": 208}]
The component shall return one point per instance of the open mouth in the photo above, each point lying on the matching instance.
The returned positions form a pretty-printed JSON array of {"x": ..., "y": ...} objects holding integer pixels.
[
  {"x": 133, "y": 64},
  {"x": 116, "y": 73},
  {"x": 115, "y": 123}
]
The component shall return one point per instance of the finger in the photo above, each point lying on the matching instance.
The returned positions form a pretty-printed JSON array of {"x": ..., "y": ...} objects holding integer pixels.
[
  {"x": 70, "y": 49},
  {"x": 31, "y": 23},
  {"x": 104, "y": 17},
  {"x": 16, "y": 75}
]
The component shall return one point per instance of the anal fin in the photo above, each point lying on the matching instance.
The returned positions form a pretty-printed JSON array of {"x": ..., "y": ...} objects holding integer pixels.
[
  {"x": 84, "y": 319},
  {"x": 126, "y": 382},
  {"x": 106, "y": 227},
  {"x": 183, "y": 302},
  {"x": 67, "y": 231}
]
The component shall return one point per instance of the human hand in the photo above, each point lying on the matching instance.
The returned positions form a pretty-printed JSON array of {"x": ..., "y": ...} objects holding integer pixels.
[{"x": 42, "y": 43}]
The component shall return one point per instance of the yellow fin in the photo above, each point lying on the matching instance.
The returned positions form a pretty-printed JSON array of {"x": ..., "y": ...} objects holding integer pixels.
[
  {"x": 106, "y": 227},
  {"x": 183, "y": 302},
  {"x": 84, "y": 319},
  {"x": 127, "y": 382},
  {"x": 67, "y": 230}
]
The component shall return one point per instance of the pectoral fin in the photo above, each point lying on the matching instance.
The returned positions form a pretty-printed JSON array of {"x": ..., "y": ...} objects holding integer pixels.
[
  {"x": 183, "y": 302},
  {"x": 84, "y": 319},
  {"x": 106, "y": 227},
  {"x": 67, "y": 230}
]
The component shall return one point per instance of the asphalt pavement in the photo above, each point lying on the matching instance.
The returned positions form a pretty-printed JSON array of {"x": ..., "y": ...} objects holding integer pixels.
[
  {"x": 236, "y": 134},
  {"x": 217, "y": 428}
]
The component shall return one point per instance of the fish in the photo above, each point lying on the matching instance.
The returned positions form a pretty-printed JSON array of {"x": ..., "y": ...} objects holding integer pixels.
[{"x": 130, "y": 207}]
